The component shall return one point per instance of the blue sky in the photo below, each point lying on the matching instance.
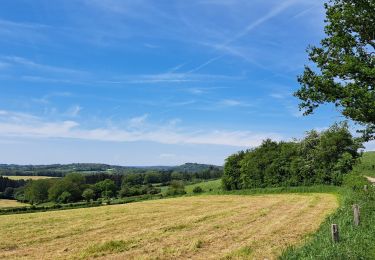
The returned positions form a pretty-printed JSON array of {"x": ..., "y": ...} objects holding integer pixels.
[{"x": 164, "y": 82}]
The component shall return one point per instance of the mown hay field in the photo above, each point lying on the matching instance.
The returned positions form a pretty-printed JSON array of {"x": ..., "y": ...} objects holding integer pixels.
[
  {"x": 11, "y": 204},
  {"x": 199, "y": 227}
]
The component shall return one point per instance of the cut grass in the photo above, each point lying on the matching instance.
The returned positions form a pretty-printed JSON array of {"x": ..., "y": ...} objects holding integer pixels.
[
  {"x": 11, "y": 204},
  {"x": 204, "y": 227}
]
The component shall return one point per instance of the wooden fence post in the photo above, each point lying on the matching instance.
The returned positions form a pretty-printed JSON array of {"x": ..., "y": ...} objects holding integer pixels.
[
  {"x": 335, "y": 233},
  {"x": 356, "y": 214}
]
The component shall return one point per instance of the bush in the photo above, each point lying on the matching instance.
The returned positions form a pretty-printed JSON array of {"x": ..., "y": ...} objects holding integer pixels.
[
  {"x": 197, "y": 189},
  {"x": 176, "y": 188}
]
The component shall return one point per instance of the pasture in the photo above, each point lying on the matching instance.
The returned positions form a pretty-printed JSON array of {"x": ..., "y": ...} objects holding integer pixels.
[
  {"x": 207, "y": 186},
  {"x": 200, "y": 227}
]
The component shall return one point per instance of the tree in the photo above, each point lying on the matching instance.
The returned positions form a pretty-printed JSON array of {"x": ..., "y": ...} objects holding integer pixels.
[
  {"x": 106, "y": 188},
  {"x": 65, "y": 197},
  {"x": 127, "y": 191},
  {"x": 177, "y": 176},
  {"x": 152, "y": 177},
  {"x": 37, "y": 191},
  {"x": 176, "y": 188},
  {"x": 72, "y": 183},
  {"x": 346, "y": 64},
  {"x": 88, "y": 194},
  {"x": 8, "y": 193},
  {"x": 133, "y": 179},
  {"x": 232, "y": 173},
  {"x": 319, "y": 158}
]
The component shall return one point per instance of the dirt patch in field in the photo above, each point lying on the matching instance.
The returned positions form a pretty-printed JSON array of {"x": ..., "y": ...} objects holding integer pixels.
[{"x": 200, "y": 227}]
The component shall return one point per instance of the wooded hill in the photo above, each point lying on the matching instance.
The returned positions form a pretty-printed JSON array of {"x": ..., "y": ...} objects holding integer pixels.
[{"x": 60, "y": 170}]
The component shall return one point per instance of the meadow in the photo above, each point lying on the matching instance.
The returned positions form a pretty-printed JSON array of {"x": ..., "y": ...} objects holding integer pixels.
[
  {"x": 213, "y": 186},
  {"x": 199, "y": 227}
]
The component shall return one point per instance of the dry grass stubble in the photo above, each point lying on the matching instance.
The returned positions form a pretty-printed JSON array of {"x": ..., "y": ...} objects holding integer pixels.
[{"x": 199, "y": 227}]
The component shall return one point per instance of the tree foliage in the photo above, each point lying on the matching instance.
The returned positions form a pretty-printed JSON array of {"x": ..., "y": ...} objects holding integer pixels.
[
  {"x": 319, "y": 158},
  {"x": 88, "y": 194},
  {"x": 37, "y": 191},
  {"x": 345, "y": 62},
  {"x": 6, "y": 182},
  {"x": 72, "y": 183},
  {"x": 176, "y": 188},
  {"x": 106, "y": 188}
]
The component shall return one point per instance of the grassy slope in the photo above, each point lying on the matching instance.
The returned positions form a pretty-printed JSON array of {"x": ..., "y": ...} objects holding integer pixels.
[
  {"x": 367, "y": 165},
  {"x": 207, "y": 186},
  {"x": 355, "y": 242},
  {"x": 197, "y": 227}
]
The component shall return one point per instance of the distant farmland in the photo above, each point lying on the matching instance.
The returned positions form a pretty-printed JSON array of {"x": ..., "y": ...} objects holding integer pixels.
[
  {"x": 203, "y": 227},
  {"x": 11, "y": 204},
  {"x": 28, "y": 177}
]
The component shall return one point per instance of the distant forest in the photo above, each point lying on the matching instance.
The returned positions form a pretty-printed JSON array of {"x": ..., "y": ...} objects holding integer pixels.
[
  {"x": 60, "y": 170},
  {"x": 89, "y": 182}
]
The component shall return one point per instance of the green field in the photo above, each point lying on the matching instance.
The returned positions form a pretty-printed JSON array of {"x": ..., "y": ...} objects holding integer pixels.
[
  {"x": 207, "y": 186},
  {"x": 367, "y": 165}
]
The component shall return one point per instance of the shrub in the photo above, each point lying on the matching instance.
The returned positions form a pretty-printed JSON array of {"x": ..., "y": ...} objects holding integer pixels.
[
  {"x": 197, "y": 189},
  {"x": 176, "y": 188}
]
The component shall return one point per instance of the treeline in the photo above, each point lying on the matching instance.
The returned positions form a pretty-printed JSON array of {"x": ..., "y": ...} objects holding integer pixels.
[
  {"x": 49, "y": 173},
  {"x": 60, "y": 170},
  {"x": 76, "y": 187},
  {"x": 319, "y": 158},
  {"x": 8, "y": 183}
]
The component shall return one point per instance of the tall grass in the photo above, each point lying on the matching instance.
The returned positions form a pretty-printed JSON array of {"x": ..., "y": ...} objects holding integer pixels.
[{"x": 356, "y": 242}]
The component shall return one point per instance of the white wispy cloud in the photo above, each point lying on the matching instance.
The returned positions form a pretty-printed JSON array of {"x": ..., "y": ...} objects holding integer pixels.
[
  {"x": 28, "y": 32},
  {"x": 233, "y": 103},
  {"x": 59, "y": 74},
  {"x": 39, "y": 66},
  {"x": 225, "y": 46},
  {"x": 275, "y": 10},
  {"x": 73, "y": 111},
  {"x": 170, "y": 77},
  {"x": 46, "y": 99},
  {"x": 138, "y": 121},
  {"x": 14, "y": 124},
  {"x": 6, "y": 24}
]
